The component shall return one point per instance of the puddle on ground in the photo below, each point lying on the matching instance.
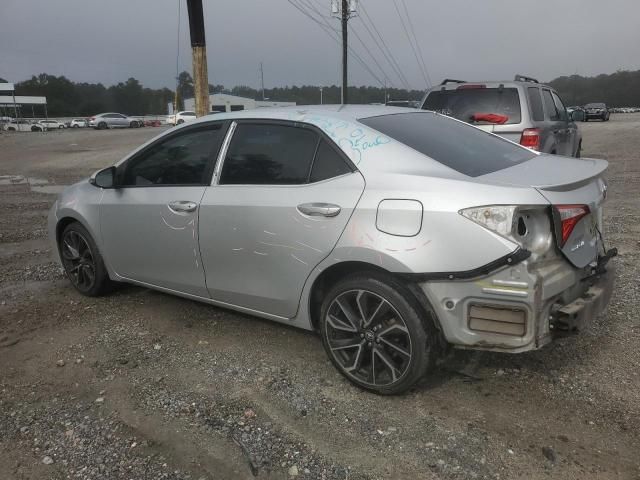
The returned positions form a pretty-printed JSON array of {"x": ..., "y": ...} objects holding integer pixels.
[{"x": 38, "y": 185}]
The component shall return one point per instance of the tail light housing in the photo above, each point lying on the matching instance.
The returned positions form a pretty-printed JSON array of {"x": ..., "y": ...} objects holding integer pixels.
[
  {"x": 92, "y": 119},
  {"x": 526, "y": 226},
  {"x": 569, "y": 216},
  {"x": 531, "y": 138}
]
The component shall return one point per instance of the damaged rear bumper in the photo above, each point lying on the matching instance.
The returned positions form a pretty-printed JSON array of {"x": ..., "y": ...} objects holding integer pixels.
[{"x": 520, "y": 307}]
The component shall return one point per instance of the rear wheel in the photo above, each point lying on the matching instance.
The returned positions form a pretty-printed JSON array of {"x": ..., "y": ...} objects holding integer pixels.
[
  {"x": 102, "y": 126},
  {"x": 133, "y": 124},
  {"x": 82, "y": 261},
  {"x": 76, "y": 126},
  {"x": 181, "y": 121},
  {"x": 373, "y": 332}
]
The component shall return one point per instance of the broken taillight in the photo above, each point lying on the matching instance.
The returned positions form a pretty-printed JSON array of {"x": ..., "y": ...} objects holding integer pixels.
[
  {"x": 570, "y": 215},
  {"x": 531, "y": 138}
]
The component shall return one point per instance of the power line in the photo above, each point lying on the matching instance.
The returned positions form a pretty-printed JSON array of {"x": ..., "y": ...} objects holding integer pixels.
[
  {"x": 415, "y": 53},
  {"x": 386, "y": 48},
  {"x": 333, "y": 34},
  {"x": 413, "y": 31},
  {"x": 375, "y": 60}
]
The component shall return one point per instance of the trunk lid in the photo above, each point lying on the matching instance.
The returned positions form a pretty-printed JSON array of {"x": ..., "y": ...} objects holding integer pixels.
[{"x": 565, "y": 181}]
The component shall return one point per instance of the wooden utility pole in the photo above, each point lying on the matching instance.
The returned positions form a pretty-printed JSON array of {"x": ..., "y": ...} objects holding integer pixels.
[
  {"x": 345, "y": 19},
  {"x": 344, "y": 10},
  {"x": 199, "y": 50}
]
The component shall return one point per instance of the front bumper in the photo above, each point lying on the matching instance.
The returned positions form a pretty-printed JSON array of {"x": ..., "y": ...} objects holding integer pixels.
[{"x": 520, "y": 307}]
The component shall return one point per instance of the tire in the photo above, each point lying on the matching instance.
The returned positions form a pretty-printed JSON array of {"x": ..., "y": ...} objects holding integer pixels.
[
  {"x": 133, "y": 125},
  {"x": 83, "y": 262},
  {"x": 102, "y": 125},
  {"x": 61, "y": 127},
  {"x": 76, "y": 126},
  {"x": 181, "y": 121},
  {"x": 36, "y": 129},
  {"x": 386, "y": 349},
  {"x": 11, "y": 129}
]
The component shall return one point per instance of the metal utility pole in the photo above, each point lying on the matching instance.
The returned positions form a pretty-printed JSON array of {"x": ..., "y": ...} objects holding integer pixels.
[
  {"x": 344, "y": 9},
  {"x": 199, "y": 49},
  {"x": 321, "y": 95},
  {"x": 262, "y": 80}
]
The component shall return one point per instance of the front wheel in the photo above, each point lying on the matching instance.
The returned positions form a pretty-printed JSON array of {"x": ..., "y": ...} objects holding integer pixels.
[
  {"x": 102, "y": 126},
  {"x": 76, "y": 126},
  {"x": 61, "y": 127},
  {"x": 133, "y": 125},
  {"x": 375, "y": 333},
  {"x": 82, "y": 261}
]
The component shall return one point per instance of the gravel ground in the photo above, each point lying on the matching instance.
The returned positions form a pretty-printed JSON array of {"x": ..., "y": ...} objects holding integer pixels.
[{"x": 141, "y": 385}]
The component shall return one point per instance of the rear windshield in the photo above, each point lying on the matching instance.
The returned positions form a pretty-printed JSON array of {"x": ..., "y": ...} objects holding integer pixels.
[
  {"x": 465, "y": 104},
  {"x": 467, "y": 150},
  {"x": 594, "y": 105}
]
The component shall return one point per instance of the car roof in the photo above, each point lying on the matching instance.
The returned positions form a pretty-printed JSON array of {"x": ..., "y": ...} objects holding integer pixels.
[{"x": 299, "y": 113}]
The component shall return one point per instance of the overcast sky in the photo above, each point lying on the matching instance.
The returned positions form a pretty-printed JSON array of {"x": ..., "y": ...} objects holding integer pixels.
[{"x": 110, "y": 40}]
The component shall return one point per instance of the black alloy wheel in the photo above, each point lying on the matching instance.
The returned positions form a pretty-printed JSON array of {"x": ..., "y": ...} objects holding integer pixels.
[
  {"x": 374, "y": 333},
  {"x": 82, "y": 261},
  {"x": 78, "y": 260}
]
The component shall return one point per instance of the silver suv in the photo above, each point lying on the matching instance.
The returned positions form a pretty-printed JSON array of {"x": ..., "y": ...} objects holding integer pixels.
[{"x": 523, "y": 111}]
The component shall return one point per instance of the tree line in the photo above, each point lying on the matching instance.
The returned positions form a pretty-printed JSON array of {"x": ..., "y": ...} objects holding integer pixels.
[
  {"x": 68, "y": 98},
  {"x": 619, "y": 89}
]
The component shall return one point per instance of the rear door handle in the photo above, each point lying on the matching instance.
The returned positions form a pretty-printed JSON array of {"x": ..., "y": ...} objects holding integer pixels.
[
  {"x": 319, "y": 209},
  {"x": 183, "y": 206}
]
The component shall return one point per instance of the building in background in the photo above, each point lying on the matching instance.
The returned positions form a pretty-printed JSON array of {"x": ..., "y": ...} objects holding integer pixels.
[{"x": 221, "y": 102}]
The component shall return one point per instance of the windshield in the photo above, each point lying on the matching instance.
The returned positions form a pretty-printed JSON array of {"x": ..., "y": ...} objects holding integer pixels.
[
  {"x": 465, "y": 149},
  {"x": 476, "y": 105}
]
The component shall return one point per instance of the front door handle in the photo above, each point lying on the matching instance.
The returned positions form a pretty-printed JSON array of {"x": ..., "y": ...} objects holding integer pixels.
[
  {"x": 183, "y": 206},
  {"x": 319, "y": 209}
]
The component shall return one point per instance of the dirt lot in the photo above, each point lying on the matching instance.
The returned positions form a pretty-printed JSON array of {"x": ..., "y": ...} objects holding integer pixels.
[{"x": 141, "y": 385}]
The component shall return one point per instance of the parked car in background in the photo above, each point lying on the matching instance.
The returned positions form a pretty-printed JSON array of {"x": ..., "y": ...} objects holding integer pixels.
[
  {"x": 112, "y": 120},
  {"x": 79, "y": 123},
  {"x": 52, "y": 124},
  {"x": 181, "y": 117},
  {"x": 522, "y": 110},
  {"x": 298, "y": 216},
  {"x": 596, "y": 111},
  {"x": 24, "y": 125}
]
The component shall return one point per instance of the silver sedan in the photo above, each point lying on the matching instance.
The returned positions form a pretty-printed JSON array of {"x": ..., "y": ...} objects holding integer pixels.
[{"x": 392, "y": 232}]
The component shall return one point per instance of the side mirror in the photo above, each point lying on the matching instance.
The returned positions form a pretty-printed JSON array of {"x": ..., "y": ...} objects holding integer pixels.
[{"x": 104, "y": 178}]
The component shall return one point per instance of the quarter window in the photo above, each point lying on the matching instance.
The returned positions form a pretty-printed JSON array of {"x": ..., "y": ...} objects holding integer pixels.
[
  {"x": 327, "y": 164},
  {"x": 537, "y": 111},
  {"x": 269, "y": 154},
  {"x": 550, "y": 106},
  {"x": 183, "y": 159}
]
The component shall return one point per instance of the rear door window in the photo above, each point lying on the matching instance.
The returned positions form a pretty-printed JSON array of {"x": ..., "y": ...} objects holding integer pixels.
[
  {"x": 466, "y": 103},
  {"x": 269, "y": 154},
  {"x": 465, "y": 149},
  {"x": 550, "y": 106},
  {"x": 537, "y": 112}
]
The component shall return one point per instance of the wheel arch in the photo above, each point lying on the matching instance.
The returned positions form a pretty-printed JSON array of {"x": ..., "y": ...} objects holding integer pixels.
[{"x": 332, "y": 274}]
